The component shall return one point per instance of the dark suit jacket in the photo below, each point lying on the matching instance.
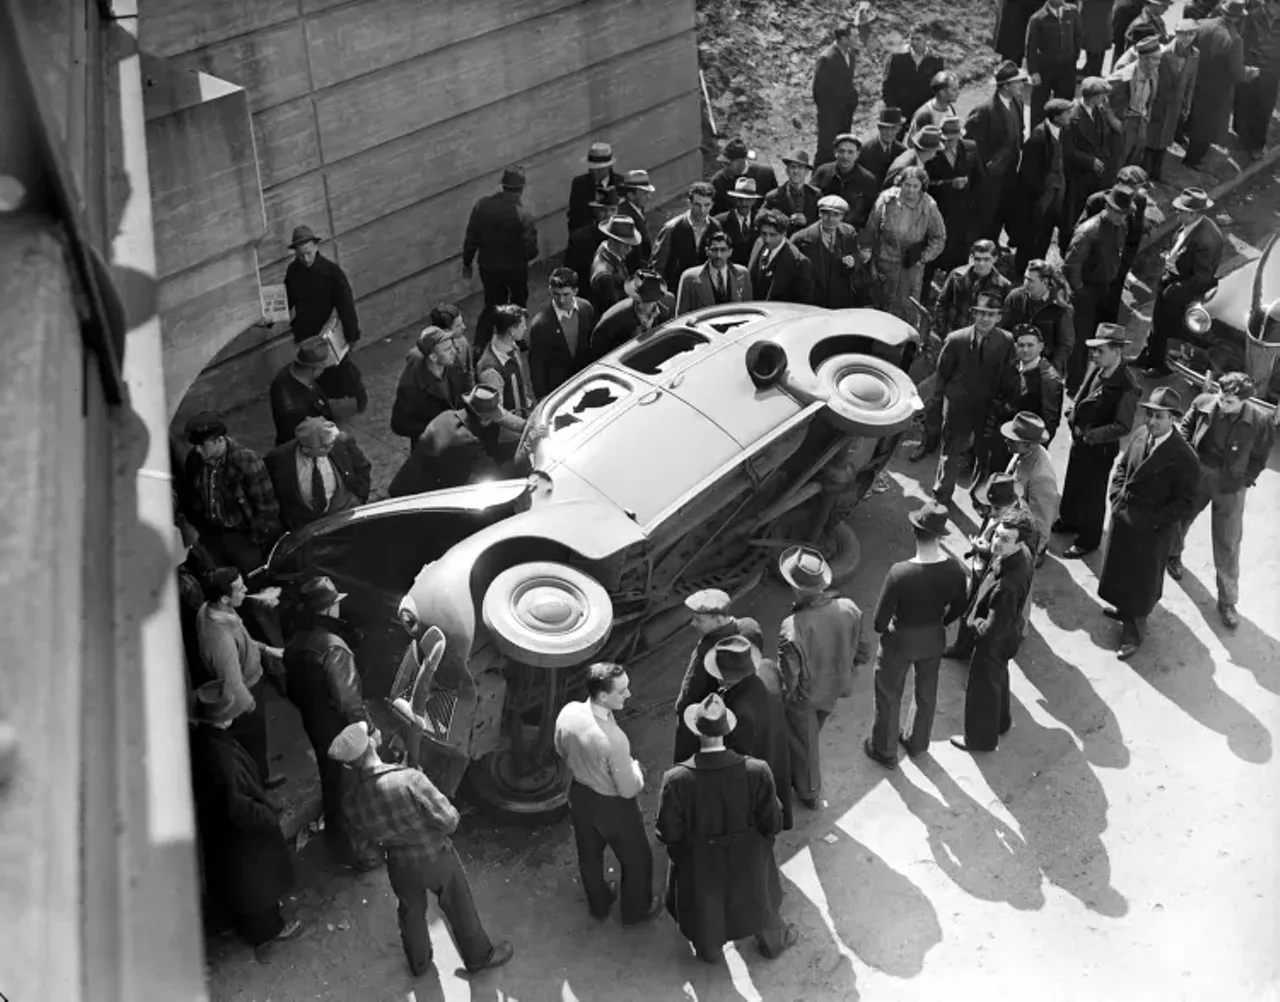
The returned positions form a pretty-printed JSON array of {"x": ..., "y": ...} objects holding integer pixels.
[
  {"x": 785, "y": 201},
  {"x": 1248, "y": 443},
  {"x": 1039, "y": 391},
  {"x": 620, "y": 324},
  {"x": 998, "y": 134},
  {"x": 1037, "y": 159},
  {"x": 550, "y": 361},
  {"x": 789, "y": 279},
  {"x": 834, "y": 286},
  {"x": 876, "y": 157},
  {"x": 607, "y": 279},
  {"x": 995, "y": 615},
  {"x": 582, "y": 192},
  {"x": 696, "y": 292},
  {"x": 906, "y": 85},
  {"x": 1053, "y": 42},
  {"x": 723, "y": 183},
  {"x": 742, "y": 240},
  {"x": 971, "y": 374},
  {"x": 833, "y": 89},
  {"x": 858, "y": 187},
  {"x": 349, "y": 463},
  {"x": 1195, "y": 265},
  {"x": 581, "y": 249},
  {"x": 292, "y": 402},
  {"x": 1085, "y": 138}
]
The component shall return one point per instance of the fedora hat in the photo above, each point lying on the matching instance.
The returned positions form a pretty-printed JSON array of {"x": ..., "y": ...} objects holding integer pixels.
[
  {"x": 623, "y": 229},
  {"x": 303, "y": 235},
  {"x": 745, "y": 188},
  {"x": 350, "y": 743},
  {"x": 645, "y": 287},
  {"x": 215, "y": 702},
  {"x": 1120, "y": 198},
  {"x": 732, "y": 659},
  {"x": 1163, "y": 398},
  {"x": 513, "y": 178},
  {"x": 951, "y": 125},
  {"x": 319, "y": 594},
  {"x": 736, "y": 149},
  {"x": 710, "y": 718},
  {"x": 483, "y": 400},
  {"x": 1025, "y": 427},
  {"x": 709, "y": 602},
  {"x": 928, "y": 138},
  {"x": 313, "y": 354},
  {"x": 932, "y": 518},
  {"x": 997, "y": 491},
  {"x": 599, "y": 155},
  {"x": 1107, "y": 334},
  {"x": 889, "y": 115},
  {"x": 638, "y": 180},
  {"x": 800, "y": 158},
  {"x": 805, "y": 569},
  {"x": 1009, "y": 71},
  {"x": 1234, "y": 8},
  {"x": 1193, "y": 200}
]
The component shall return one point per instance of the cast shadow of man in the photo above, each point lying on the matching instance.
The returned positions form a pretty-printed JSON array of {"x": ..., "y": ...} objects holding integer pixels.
[{"x": 1250, "y": 647}]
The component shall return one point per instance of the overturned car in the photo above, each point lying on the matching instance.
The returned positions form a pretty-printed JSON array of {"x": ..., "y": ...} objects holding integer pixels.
[{"x": 685, "y": 459}]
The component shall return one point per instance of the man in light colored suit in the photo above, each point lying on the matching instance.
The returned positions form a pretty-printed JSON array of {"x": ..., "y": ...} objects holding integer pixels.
[
  {"x": 1025, "y": 436},
  {"x": 717, "y": 281}
]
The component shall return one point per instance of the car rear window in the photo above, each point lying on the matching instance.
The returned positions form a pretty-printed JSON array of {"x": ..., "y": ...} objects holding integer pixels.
[{"x": 652, "y": 358}]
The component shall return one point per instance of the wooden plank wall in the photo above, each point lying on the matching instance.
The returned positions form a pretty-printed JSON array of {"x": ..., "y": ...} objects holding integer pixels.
[{"x": 379, "y": 122}]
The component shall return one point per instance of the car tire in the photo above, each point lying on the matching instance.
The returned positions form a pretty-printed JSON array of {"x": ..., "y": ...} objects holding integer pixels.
[
  {"x": 547, "y": 614},
  {"x": 867, "y": 396},
  {"x": 532, "y": 802}
]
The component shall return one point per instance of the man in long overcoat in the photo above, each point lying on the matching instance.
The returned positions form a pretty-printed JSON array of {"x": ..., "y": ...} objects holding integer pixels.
[
  {"x": 1042, "y": 183},
  {"x": 1153, "y": 488},
  {"x": 996, "y": 127},
  {"x": 718, "y": 816},
  {"x": 1179, "y": 67},
  {"x": 767, "y": 672},
  {"x": 834, "y": 93},
  {"x": 840, "y": 275},
  {"x": 502, "y": 234},
  {"x": 709, "y": 615},
  {"x": 953, "y": 178},
  {"x": 1221, "y": 70},
  {"x": 1090, "y": 139},
  {"x": 247, "y": 864}
]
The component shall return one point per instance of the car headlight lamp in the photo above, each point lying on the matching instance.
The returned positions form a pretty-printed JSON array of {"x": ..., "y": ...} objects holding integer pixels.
[
  {"x": 1197, "y": 319},
  {"x": 408, "y": 616}
]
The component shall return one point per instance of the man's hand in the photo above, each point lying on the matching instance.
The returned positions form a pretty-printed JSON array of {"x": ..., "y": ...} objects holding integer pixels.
[
  {"x": 849, "y": 261},
  {"x": 467, "y": 272},
  {"x": 275, "y": 652},
  {"x": 960, "y": 182},
  {"x": 1098, "y": 166},
  {"x": 1035, "y": 79}
]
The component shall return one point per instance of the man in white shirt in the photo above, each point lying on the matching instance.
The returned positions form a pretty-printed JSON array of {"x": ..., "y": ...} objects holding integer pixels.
[
  {"x": 322, "y": 471},
  {"x": 602, "y": 797}
]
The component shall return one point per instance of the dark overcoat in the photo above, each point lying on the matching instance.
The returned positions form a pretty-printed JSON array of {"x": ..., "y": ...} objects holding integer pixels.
[
  {"x": 696, "y": 686},
  {"x": 790, "y": 201},
  {"x": 762, "y": 733},
  {"x": 1219, "y": 70},
  {"x": 718, "y": 816},
  {"x": 788, "y": 278},
  {"x": 835, "y": 285},
  {"x": 955, "y": 204},
  {"x": 1095, "y": 25},
  {"x": 619, "y": 324},
  {"x": 293, "y": 401},
  {"x": 1149, "y": 498},
  {"x": 247, "y": 864},
  {"x": 582, "y": 192},
  {"x": 1010, "y": 39},
  {"x": 972, "y": 373}
]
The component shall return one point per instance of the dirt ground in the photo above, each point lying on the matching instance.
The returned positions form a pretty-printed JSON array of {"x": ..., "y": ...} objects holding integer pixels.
[{"x": 757, "y": 57}]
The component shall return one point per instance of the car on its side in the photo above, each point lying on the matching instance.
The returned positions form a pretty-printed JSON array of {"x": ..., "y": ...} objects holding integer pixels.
[{"x": 685, "y": 459}]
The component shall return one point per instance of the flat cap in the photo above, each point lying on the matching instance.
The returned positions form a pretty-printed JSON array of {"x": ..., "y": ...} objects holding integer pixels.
[
  {"x": 350, "y": 744},
  {"x": 832, "y": 203},
  {"x": 1093, "y": 86},
  {"x": 709, "y": 601}
]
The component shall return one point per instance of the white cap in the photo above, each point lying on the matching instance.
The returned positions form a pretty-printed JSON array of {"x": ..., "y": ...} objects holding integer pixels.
[
  {"x": 833, "y": 202},
  {"x": 351, "y": 743}
]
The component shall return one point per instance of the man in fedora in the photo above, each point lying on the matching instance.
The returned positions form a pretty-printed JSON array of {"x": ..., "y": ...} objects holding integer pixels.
[
  {"x": 718, "y": 815},
  {"x": 739, "y": 162},
  {"x": 1220, "y": 72},
  {"x": 603, "y": 802},
  {"x": 318, "y": 293},
  {"x": 585, "y": 186},
  {"x": 586, "y": 239},
  {"x": 1138, "y": 224},
  {"x": 458, "y": 447},
  {"x": 834, "y": 93},
  {"x": 560, "y": 334},
  {"x": 1054, "y": 41},
  {"x": 502, "y": 234},
  {"x": 638, "y": 193},
  {"x": 679, "y": 242},
  {"x": 321, "y": 680},
  {"x": 920, "y": 597},
  {"x": 1038, "y": 391},
  {"x": 1153, "y": 489},
  {"x": 399, "y": 810},
  {"x": 819, "y": 645},
  {"x": 909, "y": 74},
  {"x": 777, "y": 270},
  {"x": 648, "y": 305},
  {"x": 1091, "y": 265},
  {"x": 878, "y": 153},
  {"x": 797, "y": 196},
  {"x": 1102, "y": 413},
  {"x": 1089, "y": 143},
  {"x": 996, "y": 127},
  {"x": 944, "y": 89},
  {"x": 712, "y": 620},
  {"x": 734, "y": 663},
  {"x": 996, "y": 619},
  {"x": 841, "y": 276},
  {"x": 953, "y": 178},
  {"x": 716, "y": 282},
  {"x": 1025, "y": 434},
  {"x": 431, "y": 383},
  {"x": 1232, "y": 439},
  {"x": 847, "y": 179},
  {"x": 1190, "y": 272},
  {"x": 922, "y": 147},
  {"x": 609, "y": 267},
  {"x": 296, "y": 393},
  {"x": 739, "y": 222},
  {"x": 321, "y": 472},
  {"x": 246, "y": 862}
]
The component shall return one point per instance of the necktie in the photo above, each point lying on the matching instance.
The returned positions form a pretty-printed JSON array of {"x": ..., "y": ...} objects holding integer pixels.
[
  {"x": 318, "y": 500},
  {"x": 719, "y": 275}
]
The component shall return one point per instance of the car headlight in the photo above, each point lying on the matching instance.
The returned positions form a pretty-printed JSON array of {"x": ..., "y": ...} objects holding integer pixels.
[
  {"x": 408, "y": 615},
  {"x": 1197, "y": 319}
]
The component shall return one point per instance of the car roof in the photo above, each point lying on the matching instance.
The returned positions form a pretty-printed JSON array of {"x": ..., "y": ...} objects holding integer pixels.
[{"x": 655, "y": 418}]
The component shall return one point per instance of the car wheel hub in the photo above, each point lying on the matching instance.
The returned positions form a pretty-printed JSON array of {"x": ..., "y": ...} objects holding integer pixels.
[
  {"x": 864, "y": 388},
  {"x": 549, "y": 608}
]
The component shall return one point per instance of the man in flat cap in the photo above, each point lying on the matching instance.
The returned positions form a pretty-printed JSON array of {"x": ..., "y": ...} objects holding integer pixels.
[
  {"x": 320, "y": 299},
  {"x": 711, "y": 619},
  {"x": 1179, "y": 66},
  {"x": 820, "y": 644},
  {"x": 560, "y": 334},
  {"x": 246, "y": 862},
  {"x": 322, "y": 471},
  {"x": 841, "y": 277},
  {"x": 296, "y": 392},
  {"x": 739, "y": 163},
  {"x": 849, "y": 180},
  {"x": 1043, "y": 182},
  {"x": 399, "y": 810},
  {"x": 1054, "y": 41},
  {"x": 431, "y": 383},
  {"x": 1089, "y": 143},
  {"x": 586, "y": 186},
  {"x": 1102, "y": 413},
  {"x": 1153, "y": 489},
  {"x": 996, "y": 127},
  {"x": 501, "y": 232},
  {"x": 321, "y": 680},
  {"x": 910, "y": 74},
  {"x": 721, "y": 889},
  {"x": 1133, "y": 96}
]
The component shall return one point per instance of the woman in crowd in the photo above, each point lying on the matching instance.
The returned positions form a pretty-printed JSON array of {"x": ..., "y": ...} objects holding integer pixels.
[{"x": 905, "y": 232}]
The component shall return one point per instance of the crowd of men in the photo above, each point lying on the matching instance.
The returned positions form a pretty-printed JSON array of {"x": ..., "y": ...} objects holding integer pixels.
[{"x": 1022, "y": 348}]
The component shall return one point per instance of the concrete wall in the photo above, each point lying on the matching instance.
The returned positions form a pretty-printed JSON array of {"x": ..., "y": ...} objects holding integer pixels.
[{"x": 379, "y": 122}]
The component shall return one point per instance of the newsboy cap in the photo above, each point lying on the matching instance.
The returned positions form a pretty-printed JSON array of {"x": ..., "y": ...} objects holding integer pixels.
[
  {"x": 833, "y": 203},
  {"x": 350, "y": 743},
  {"x": 203, "y": 426},
  {"x": 709, "y": 602},
  {"x": 1093, "y": 86}
]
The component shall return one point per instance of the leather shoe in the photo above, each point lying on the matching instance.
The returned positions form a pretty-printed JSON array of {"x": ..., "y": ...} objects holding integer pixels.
[
  {"x": 1075, "y": 551},
  {"x": 1230, "y": 618},
  {"x": 1175, "y": 568},
  {"x": 502, "y": 952},
  {"x": 1128, "y": 649},
  {"x": 1115, "y": 614},
  {"x": 906, "y": 743},
  {"x": 813, "y": 803},
  {"x": 959, "y": 742},
  {"x": 613, "y": 896},
  {"x": 876, "y": 757}
]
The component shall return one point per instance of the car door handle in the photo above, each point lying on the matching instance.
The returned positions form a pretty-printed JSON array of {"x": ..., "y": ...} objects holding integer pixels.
[
  {"x": 676, "y": 380},
  {"x": 650, "y": 397}
]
